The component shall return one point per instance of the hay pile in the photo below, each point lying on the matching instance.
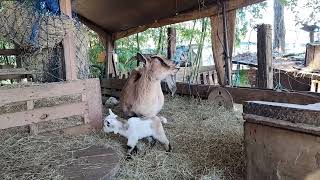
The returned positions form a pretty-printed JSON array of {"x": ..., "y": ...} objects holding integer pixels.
[
  {"x": 207, "y": 144},
  {"x": 43, "y": 54},
  {"x": 39, "y": 157},
  {"x": 17, "y": 20}
]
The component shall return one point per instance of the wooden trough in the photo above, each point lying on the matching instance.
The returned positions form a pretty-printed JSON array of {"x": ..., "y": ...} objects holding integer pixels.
[
  {"x": 281, "y": 140},
  {"x": 24, "y": 108}
]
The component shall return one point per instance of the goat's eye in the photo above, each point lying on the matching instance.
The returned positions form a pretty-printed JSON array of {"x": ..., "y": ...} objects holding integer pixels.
[{"x": 108, "y": 124}]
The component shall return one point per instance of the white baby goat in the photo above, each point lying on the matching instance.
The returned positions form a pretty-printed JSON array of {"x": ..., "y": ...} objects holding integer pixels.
[{"x": 137, "y": 128}]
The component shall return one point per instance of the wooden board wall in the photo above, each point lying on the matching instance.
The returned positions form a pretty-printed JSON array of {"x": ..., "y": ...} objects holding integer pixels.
[{"x": 90, "y": 106}]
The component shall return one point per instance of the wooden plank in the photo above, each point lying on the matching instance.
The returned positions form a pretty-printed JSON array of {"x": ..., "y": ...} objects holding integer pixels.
[
  {"x": 217, "y": 48},
  {"x": 69, "y": 45},
  {"x": 113, "y": 83},
  {"x": 78, "y": 130},
  {"x": 264, "y": 56},
  {"x": 10, "y": 52},
  {"x": 41, "y": 91},
  {"x": 223, "y": 61},
  {"x": 172, "y": 38},
  {"x": 93, "y": 91},
  {"x": 16, "y": 71},
  {"x": 281, "y": 124},
  {"x": 93, "y": 26},
  {"x": 190, "y": 15},
  {"x": 40, "y": 115},
  {"x": 240, "y": 95},
  {"x": 305, "y": 114}
]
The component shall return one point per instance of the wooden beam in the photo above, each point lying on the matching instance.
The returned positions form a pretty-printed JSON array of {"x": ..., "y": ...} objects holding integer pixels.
[
  {"x": 10, "y": 52},
  {"x": 264, "y": 56},
  {"x": 68, "y": 45},
  {"x": 40, "y": 115},
  {"x": 217, "y": 38},
  {"x": 187, "y": 16},
  {"x": 172, "y": 38},
  {"x": 240, "y": 95},
  {"x": 93, "y": 26}
]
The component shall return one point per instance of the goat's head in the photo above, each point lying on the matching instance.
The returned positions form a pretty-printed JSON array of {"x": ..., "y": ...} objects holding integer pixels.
[
  {"x": 161, "y": 69},
  {"x": 158, "y": 67},
  {"x": 111, "y": 124}
]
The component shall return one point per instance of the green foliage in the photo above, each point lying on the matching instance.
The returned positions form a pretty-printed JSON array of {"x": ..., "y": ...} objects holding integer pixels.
[
  {"x": 9, "y": 60},
  {"x": 96, "y": 48},
  {"x": 311, "y": 6},
  {"x": 243, "y": 22}
]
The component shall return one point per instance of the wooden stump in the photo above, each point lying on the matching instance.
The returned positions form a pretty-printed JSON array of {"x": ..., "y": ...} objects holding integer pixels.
[
  {"x": 312, "y": 59},
  {"x": 92, "y": 163}
]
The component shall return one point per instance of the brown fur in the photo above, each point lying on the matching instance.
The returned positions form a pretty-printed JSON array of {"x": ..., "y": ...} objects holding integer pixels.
[{"x": 142, "y": 94}]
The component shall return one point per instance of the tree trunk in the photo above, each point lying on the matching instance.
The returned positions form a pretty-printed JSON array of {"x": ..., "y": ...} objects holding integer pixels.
[{"x": 279, "y": 30}]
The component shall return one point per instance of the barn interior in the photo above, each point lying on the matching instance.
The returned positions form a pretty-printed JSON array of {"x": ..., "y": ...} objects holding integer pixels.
[{"x": 50, "y": 127}]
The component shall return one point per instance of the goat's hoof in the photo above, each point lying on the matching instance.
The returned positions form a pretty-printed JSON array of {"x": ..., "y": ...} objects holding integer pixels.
[
  {"x": 169, "y": 148},
  {"x": 152, "y": 141}
]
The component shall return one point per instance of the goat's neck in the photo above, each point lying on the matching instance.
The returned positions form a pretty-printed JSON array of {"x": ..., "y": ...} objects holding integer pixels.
[
  {"x": 150, "y": 81},
  {"x": 123, "y": 130}
]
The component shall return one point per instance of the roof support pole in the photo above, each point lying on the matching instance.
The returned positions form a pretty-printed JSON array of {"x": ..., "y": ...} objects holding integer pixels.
[
  {"x": 219, "y": 41},
  {"x": 109, "y": 44},
  {"x": 68, "y": 45},
  {"x": 171, "y": 42}
]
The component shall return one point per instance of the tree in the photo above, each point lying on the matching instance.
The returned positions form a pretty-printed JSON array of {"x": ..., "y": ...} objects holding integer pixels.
[
  {"x": 279, "y": 30},
  {"x": 243, "y": 22}
]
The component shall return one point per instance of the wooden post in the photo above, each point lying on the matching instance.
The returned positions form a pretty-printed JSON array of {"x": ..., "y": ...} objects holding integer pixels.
[
  {"x": 217, "y": 29},
  {"x": 311, "y": 36},
  {"x": 171, "y": 42},
  {"x": 68, "y": 45},
  {"x": 108, "y": 43},
  {"x": 264, "y": 55},
  {"x": 312, "y": 58}
]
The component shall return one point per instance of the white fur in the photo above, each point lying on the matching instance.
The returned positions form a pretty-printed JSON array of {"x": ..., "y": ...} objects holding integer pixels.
[{"x": 136, "y": 128}]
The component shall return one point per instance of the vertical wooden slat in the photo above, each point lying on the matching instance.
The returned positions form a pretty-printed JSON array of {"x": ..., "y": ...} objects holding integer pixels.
[
  {"x": 93, "y": 93},
  {"x": 205, "y": 81},
  {"x": 264, "y": 55},
  {"x": 84, "y": 98},
  {"x": 210, "y": 78},
  {"x": 34, "y": 129},
  {"x": 68, "y": 44}
]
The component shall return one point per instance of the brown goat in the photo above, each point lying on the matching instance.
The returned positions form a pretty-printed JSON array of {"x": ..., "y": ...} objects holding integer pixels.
[{"x": 142, "y": 94}]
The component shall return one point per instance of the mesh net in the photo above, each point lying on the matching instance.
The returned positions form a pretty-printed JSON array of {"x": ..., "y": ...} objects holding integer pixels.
[{"x": 38, "y": 28}]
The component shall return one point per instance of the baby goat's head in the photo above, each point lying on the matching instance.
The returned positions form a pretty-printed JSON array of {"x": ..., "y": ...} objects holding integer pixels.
[{"x": 111, "y": 124}]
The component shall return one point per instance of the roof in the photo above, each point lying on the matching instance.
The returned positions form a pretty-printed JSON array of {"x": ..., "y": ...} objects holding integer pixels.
[{"x": 116, "y": 16}]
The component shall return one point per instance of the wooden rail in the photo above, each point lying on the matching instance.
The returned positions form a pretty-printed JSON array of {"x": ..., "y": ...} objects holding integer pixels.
[
  {"x": 240, "y": 95},
  {"x": 89, "y": 107}
]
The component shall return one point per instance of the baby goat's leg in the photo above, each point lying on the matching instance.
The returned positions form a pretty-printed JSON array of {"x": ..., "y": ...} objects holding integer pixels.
[{"x": 132, "y": 145}]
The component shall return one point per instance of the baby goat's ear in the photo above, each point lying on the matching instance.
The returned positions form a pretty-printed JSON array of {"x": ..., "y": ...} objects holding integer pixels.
[{"x": 111, "y": 113}]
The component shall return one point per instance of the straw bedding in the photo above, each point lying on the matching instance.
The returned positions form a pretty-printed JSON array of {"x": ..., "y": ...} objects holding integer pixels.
[{"x": 207, "y": 144}]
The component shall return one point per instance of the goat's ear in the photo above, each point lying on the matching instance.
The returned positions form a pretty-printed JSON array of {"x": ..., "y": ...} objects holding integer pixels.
[
  {"x": 111, "y": 113},
  {"x": 142, "y": 58}
]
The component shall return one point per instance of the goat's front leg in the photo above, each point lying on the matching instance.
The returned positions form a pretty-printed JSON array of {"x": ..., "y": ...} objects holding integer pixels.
[
  {"x": 132, "y": 145},
  {"x": 152, "y": 141}
]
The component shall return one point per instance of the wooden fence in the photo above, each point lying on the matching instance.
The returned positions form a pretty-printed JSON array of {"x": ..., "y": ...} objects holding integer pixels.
[
  {"x": 89, "y": 105},
  {"x": 112, "y": 87}
]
